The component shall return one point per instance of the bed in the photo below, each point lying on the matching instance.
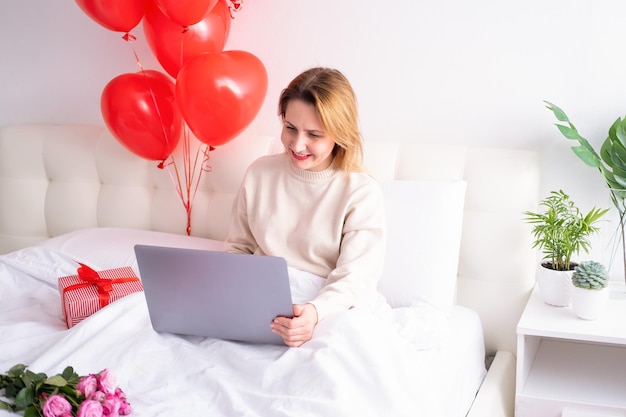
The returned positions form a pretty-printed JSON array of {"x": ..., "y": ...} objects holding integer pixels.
[{"x": 459, "y": 269}]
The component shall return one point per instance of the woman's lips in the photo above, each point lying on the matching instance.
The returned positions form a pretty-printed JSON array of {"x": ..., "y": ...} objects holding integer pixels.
[{"x": 299, "y": 157}]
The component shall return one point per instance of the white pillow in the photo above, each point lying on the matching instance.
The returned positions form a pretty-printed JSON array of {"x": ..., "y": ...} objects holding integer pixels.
[
  {"x": 111, "y": 247},
  {"x": 424, "y": 223}
]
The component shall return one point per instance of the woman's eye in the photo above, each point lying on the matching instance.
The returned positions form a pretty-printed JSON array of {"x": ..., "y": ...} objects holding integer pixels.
[{"x": 290, "y": 127}]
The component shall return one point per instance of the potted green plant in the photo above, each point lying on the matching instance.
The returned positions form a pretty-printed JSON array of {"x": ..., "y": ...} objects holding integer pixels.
[
  {"x": 560, "y": 231},
  {"x": 610, "y": 162},
  {"x": 590, "y": 293}
]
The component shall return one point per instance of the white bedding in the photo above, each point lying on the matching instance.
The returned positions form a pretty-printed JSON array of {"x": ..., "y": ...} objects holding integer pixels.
[{"x": 396, "y": 362}]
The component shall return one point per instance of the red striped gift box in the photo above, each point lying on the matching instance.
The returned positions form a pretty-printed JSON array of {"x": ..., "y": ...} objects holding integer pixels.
[{"x": 89, "y": 291}]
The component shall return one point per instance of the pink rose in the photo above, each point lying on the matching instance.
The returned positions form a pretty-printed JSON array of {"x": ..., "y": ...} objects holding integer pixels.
[
  {"x": 125, "y": 408},
  {"x": 56, "y": 406},
  {"x": 98, "y": 396},
  {"x": 111, "y": 406},
  {"x": 106, "y": 381},
  {"x": 89, "y": 408},
  {"x": 120, "y": 393},
  {"x": 87, "y": 385}
]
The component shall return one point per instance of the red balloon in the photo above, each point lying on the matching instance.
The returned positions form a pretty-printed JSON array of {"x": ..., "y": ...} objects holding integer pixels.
[
  {"x": 116, "y": 15},
  {"x": 140, "y": 110},
  {"x": 185, "y": 12},
  {"x": 174, "y": 46},
  {"x": 220, "y": 93}
]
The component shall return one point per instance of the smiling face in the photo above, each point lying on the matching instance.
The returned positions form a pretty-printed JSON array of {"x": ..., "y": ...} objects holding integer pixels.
[{"x": 304, "y": 137}]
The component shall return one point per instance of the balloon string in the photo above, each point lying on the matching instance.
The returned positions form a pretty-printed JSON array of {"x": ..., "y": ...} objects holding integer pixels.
[
  {"x": 177, "y": 184},
  {"x": 193, "y": 182},
  {"x": 204, "y": 166},
  {"x": 182, "y": 48},
  {"x": 188, "y": 178},
  {"x": 130, "y": 38},
  {"x": 176, "y": 181},
  {"x": 188, "y": 183}
]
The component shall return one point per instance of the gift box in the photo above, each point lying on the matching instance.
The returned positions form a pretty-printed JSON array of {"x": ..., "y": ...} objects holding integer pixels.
[{"x": 89, "y": 291}]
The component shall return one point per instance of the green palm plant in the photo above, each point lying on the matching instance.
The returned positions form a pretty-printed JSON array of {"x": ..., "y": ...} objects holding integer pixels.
[
  {"x": 610, "y": 161},
  {"x": 562, "y": 230}
]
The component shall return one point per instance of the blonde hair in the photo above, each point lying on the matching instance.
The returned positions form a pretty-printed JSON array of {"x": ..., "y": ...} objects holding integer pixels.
[{"x": 330, "y": 92}]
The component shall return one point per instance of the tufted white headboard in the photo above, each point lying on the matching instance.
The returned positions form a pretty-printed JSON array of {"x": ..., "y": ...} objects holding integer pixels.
[{"x": 56, "y": 179}]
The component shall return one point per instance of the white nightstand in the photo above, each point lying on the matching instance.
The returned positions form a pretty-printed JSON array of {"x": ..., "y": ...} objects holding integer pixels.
[{"x": 568, "y": 367}]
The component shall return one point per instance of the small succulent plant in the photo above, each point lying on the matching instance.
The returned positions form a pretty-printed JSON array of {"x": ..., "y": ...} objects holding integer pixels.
[{"x": 591, "y": 275}]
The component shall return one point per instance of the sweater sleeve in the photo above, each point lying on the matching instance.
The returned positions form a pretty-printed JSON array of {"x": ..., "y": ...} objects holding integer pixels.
[
  {"x": 240, "y": 238},
  {"x": 354, "y": 280}
]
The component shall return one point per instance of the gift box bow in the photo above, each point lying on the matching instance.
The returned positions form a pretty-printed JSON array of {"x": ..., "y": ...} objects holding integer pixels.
[{"x": 104, "y": 285}]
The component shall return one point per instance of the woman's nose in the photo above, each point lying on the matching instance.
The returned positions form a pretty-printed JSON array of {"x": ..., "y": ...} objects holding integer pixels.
[{"x": 299, "y": 143}]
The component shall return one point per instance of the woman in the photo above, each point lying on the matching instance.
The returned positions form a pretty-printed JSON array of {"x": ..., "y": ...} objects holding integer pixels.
[{"x": 313, "y": 204}]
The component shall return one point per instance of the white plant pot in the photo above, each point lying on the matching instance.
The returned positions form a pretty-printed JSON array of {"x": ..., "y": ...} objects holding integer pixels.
[
  {"x": 555, "y": 287},
  {"x": 589, "y": 304}
]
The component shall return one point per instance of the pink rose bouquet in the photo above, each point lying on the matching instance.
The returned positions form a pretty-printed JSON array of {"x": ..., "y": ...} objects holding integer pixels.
[{"x": 63, "y": 395}]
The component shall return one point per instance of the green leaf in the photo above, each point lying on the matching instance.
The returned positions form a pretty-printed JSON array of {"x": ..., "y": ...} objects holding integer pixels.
[
  {"x": 618, "y": 196},
  {"x": 611, "y": 181},
  {"x": 11, "y": 391},
  {"x": 17, "y": 370},
  {"x": 56, "y": 381},
  {"x": 569, "y": 132},
  {"x": 617, "y": 156},
  {"x": 589, "y": 157},
  {"x": 616, "y": 131},
  {"x": 6, "y": 406},
  {"x": 68, "y": 373},
  {"x": 28, "y": 377},
  {"x": 619, "y": 172},
  {"x": 69, "y": 390},
  {"x": 618, "y": 152},
  {"x": 594, "y": 215},
  {"x": 24, "y": 398},
  {"x": 605, "y": 151},
  {"x": 558, "y": 112},
  {"x": 620, "y": 180},
  {"x": 614, "y": 174},
  {"x": 31, "y": 411}
]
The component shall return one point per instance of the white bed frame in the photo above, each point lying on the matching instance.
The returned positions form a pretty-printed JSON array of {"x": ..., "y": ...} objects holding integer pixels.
[{"x": 55, "y": 179}]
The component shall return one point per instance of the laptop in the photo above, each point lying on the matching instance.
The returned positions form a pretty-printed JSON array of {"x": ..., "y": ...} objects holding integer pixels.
[{"x": 214, "y": 294}]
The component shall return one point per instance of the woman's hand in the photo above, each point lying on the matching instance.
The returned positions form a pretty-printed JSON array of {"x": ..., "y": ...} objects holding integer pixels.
[{"x": 299, "y": 329}]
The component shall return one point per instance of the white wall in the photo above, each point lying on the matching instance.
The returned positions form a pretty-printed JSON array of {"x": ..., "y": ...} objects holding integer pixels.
[{"x": 424, "y": 70}]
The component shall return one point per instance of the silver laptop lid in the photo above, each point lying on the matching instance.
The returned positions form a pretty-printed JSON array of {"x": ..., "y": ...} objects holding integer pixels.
[{"x": 214, "y": 294}]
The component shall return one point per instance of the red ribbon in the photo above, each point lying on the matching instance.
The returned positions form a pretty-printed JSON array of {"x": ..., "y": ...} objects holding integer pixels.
[{"x": 91, "y": 277}]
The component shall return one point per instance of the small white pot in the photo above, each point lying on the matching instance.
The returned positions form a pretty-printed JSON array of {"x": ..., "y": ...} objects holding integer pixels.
[
  {"x": 555, "y": 286},
  {"x": 589, "y": 304}
]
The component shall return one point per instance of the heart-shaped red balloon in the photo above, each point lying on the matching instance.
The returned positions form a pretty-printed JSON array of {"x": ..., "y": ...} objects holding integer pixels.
[
  {"x": 185, "y": 12},
  {"x": 219, "y": 94},
  {"x": 173, "y": 46},
  {"x": 116, "y": 15},
  {"x": 140, "y": 110}
]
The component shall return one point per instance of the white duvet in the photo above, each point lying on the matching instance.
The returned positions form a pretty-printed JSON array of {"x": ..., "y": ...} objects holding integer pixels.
[{"x": 391, "y": 362}]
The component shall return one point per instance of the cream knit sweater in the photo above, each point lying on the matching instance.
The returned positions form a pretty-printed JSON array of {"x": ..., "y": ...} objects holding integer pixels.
[{"x": 328, "y": 223}]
